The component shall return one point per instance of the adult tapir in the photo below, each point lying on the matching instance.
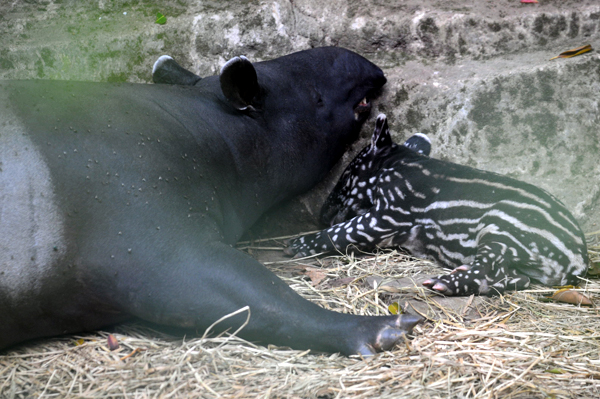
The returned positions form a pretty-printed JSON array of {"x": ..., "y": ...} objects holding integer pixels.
[{"x": 124, "y": 200}]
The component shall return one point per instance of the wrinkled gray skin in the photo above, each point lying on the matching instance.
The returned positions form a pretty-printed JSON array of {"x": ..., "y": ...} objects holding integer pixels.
[{"x": 123, "y": 200}]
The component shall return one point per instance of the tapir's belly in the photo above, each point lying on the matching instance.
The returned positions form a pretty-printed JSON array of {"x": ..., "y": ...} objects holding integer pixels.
[{"x": 31, "y": 224}]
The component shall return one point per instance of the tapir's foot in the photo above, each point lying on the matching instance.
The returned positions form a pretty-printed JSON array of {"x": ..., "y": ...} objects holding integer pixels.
[
  {"x": 390, "y": 334},
  {"x": 461, "y": 281},
  {"x": 289, "y": 251},
  {"x": 298, "y": 247},
  {"x": 439, "y": 284}
]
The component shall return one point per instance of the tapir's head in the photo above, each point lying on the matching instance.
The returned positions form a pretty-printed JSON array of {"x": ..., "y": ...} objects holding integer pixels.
[
  {"x": 334, "y": 83},
  {"x": 307, "y": 106},
  {"x": 315, "y": 101},
  {"x": 327, "y": 87}
]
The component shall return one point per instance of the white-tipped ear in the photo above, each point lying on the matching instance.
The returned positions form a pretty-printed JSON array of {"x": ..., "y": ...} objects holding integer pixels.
[
  {"x": 419, "y": 143},
  {"x": 167, "y": 71},
  {"x": 161, "y": 60},
  {"x": 239, "y": 82}
]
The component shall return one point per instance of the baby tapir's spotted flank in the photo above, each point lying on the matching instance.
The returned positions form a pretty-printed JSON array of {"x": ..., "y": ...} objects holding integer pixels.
[{"x": 496, "y": 232}]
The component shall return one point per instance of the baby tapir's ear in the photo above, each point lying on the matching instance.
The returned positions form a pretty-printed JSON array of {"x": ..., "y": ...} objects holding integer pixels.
[
  {"x": 419, "y": 142},
  {"x": 381, "y": 138},
  {"x": 239, "y": 82},
  {"x": 167, "y": 71}
]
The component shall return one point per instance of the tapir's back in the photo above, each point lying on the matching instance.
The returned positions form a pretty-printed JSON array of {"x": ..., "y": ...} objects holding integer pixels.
[{"x": 452, "y": 201}]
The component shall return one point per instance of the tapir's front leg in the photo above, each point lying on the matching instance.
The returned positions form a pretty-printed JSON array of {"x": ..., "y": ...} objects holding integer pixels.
[
  {"x": 376, "y": 228},
  {"x": 219, "y": 280}
]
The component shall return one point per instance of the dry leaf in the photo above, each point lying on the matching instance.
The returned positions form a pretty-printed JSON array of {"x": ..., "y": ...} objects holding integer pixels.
[
  {"x": 574, "y": 52},
  {"x": 594, "y": 270},
  {"x": 315, "y": 275},
  {"x": 567, "y": 295},
  {"x": 565, "y": 287},
  {"x": 135, "y": 351},
  {"x": 341, "y": 281},
  {"x": 113, "y": 344}
]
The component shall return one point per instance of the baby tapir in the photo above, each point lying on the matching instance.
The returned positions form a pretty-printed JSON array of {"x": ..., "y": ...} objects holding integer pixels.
[{"x": 497, "y": 233}]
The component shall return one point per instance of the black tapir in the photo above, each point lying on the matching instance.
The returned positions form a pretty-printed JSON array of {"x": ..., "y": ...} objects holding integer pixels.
[{"x": 124, "y": 200}]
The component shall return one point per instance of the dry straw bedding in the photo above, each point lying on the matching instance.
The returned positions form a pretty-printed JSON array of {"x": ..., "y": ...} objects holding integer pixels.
[{"x": 514, "y": 346}]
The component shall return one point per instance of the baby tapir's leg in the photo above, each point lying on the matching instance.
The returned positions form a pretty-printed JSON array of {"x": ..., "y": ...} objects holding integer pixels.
[
  {"x": 491, "y": 272},
  {"x": 376, "y": 228}
]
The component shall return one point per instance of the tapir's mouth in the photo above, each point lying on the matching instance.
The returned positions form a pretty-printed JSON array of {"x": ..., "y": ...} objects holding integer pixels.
[{"x": 361, "y": 111}]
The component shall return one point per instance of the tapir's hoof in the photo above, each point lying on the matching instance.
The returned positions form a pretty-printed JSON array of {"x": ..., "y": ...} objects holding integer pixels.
[
  {"x": 389, "y": 336},
  {"x": 437, "y": 285},
  {"x": 428, "y": 283},
  {"x": 289, "y": 251},
  {"x": 293, "y": 250},
  {"x": 463, "y": 268}
]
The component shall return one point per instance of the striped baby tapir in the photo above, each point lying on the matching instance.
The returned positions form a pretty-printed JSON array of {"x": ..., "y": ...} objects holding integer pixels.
[{"x": 497, "y": 233}]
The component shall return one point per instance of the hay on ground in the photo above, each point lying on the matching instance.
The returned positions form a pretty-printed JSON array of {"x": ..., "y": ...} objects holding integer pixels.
[{"x": 518, "y": 345}]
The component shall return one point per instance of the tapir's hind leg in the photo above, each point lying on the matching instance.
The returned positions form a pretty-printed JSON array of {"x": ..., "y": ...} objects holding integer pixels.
[
  {"x": 493, "y": 270},
  {"x": 220, "y": 280}
]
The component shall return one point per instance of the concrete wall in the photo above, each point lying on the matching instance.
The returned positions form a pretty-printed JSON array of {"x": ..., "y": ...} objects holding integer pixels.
[{"x": 474, "y": 75}]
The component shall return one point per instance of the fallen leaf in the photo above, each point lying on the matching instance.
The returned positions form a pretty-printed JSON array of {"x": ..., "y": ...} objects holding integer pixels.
[
  {"x": 113, "y": 344},
  {"x": 79, "y": 342},
  {"x": 567, "y": 295},
  {"x": 594, "y": 270},
  {"x": 574, "y": 52},
  {"x": 160, "y": 19},
  {"x": 394, "y": 308},
  {"x": 341, "y": 281},
  {"x": 297, "y": 270},
  {"x": 556, "y": 371},
  {"x": 135, "y": 351},
  {"x": 564, "y": 287},
  {"x": 315, "y": 275}
]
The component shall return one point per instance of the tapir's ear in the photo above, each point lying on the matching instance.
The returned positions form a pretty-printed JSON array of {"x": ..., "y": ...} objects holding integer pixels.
[
  {"x": 419, "y": 142},
  {"x": 167, "y": 71},
  {"x": 239, "y": 82},
  {"x": 381, "y": 135}
]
